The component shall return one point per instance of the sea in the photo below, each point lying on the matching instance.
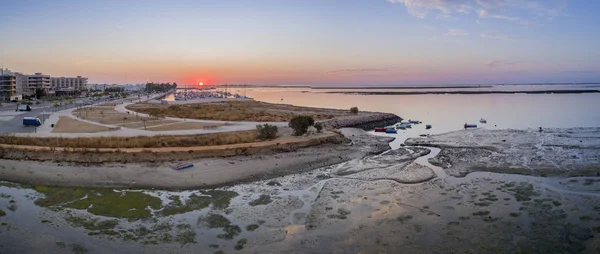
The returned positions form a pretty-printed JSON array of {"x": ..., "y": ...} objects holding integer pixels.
[{"x": 449, "y": 112}]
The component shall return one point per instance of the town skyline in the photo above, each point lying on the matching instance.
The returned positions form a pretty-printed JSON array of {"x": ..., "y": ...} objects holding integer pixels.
[{"x": 316, "y": 43}]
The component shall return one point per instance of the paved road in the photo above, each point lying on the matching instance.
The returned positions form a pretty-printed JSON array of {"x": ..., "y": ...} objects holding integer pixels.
[{"x": 12, "y": 122}]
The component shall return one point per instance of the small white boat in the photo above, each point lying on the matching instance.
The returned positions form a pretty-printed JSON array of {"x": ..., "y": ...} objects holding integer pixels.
[{"x": 482, "y": 120}]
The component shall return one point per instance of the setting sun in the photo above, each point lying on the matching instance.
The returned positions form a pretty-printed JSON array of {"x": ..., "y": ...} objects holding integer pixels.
[{"x": 200, "y": 83}]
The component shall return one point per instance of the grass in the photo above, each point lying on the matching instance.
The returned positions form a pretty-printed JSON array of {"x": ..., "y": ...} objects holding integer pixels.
[
  {"x": 236, "y": 111},
  {"x": 104, "y": 202},
  {"x": 523, "y": 192},
  {"x": 240, "y": 244},
  {"x": 514, "y": 214},
  {"x": 215, "y": 221},
  {"x": 262, "y": 200},
  {"x": 251, "y": 227},
  {"x": 218, "y": 198},
  {"x": 342, "y": 214},
  {"x": 231, "y": 231},
  {"x": 404, "y": 218},
  {"x": 92, "y": 224},
  {"x": 481, "y": 213},
  {"x": 78, "y": 249},
  {"x": 185, "y": 237},
  {"x": 222, "y": 138},
  {"x": 2, "y": 213}
]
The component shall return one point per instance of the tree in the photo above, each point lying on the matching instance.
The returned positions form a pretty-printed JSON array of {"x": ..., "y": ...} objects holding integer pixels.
[
  {"x": 266, "y": 131},
  {"x": 300, "y": 124},
  {"x": 354, "y": 110},
  {"x": 39, "y": 93}
]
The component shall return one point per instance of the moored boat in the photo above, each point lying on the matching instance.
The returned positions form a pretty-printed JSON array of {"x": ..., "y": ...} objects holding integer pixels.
[
  {"x": 427, "y": 127},
  {"x": 391, "y": 131},
  {"x": 482, "y": 120},
  {"x": 379, "y": 129},
  {"x": 470, "y": 125},
  {"x": 414, "y": 121}
]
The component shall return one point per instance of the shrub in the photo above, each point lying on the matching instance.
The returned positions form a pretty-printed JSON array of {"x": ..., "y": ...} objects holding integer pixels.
[
  {"x": 37, "y": 103},
  {"x": 266, "y": 131},
  {"x": 319, "y": 127},
  {"x": 354, "y": 110},
  {"x": 300, "y": 124}
]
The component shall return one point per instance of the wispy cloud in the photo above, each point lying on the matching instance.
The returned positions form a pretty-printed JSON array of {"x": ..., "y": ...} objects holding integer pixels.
[
  {"x": 456, "y": 32},
  {"x": 356, "y": 71},
  {"x": 503, "y": 37},
  {"x": 486, "y": 14},
  {"x": 499, "y": 63},
  {"x": 494, "y": 9}
]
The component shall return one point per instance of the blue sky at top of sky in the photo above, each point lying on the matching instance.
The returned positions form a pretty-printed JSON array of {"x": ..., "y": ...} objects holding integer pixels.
[{"x": 310, "y": 42}]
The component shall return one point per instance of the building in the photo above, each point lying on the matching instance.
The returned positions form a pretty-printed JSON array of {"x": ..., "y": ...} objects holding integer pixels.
[
  {"x": 8, "y": 85},
  {"x": 34, "y": 82},
  {"x": 68, "y": 85}
]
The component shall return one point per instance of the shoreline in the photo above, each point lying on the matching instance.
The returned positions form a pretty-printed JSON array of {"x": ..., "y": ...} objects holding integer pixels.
[{"x": 473, "y": 92}]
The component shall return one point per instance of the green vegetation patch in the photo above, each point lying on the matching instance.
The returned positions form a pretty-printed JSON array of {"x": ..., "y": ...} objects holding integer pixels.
[
  {"x": 61, "y": 245},
  {"x": 231, "y": 231},
  {"x": 92, "y": 223},
  {"x": 218, "y": 198},
  {"x": 240, "y": 244},
  {"x": 251, "y": 227},
  {"x": 481, "y": 213},
  {"x": 523, "y": 192},
  {"x": 2, "y": 213},
  {"x": 185, "y": 237},
  {"x": 78, "y": 249},
  {"x": 514, "y": 214},
  {"x": 342, "y": 214},
  {"x": 214, "y": 221},
  {"x": 262, "y": 200},
  {"x": 129, "y": 205},
  {"x": 105, "y": 202},
  {"x": 404, "y": 218}
]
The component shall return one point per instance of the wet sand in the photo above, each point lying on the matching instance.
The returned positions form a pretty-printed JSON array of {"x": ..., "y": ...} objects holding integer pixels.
[{"x": 552, "y": 152}]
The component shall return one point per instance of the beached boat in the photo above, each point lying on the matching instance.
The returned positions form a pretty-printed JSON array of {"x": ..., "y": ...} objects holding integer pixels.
[
  {"x": 391, "y": 131},
  {"x": 470, "y": 125},
  {"x": 379, "y": 129},
  {"x": 427, "y": 127},
  {"x": 482, "y": 120},
  {"x": 181, "y": 166}
]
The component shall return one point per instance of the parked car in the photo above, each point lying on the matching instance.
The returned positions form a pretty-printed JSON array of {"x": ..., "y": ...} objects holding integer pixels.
[{"x": 23, "y": 107}]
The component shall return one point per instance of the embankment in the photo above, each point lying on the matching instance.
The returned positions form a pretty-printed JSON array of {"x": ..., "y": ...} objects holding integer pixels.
[
  {"x": 364, "y": 122},
  {"x": 207, "y": 172}
]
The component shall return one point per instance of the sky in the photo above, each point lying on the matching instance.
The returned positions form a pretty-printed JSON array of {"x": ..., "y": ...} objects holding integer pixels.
[{"x": 308, "y": 42}]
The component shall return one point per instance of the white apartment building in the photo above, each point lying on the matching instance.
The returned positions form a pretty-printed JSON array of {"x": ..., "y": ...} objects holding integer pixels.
[
  {"x": 68, "y": 85},
  {"x": 30, "y": 83}
]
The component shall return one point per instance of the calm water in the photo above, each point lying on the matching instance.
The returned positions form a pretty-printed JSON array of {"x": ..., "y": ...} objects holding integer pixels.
[{"x": 450, "y": 112}]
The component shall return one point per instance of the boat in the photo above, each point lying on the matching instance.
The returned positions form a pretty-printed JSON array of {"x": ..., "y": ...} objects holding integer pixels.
[
  {"x": 470, "y": 125},
  {"x": 427, "y": 127},
  {"x": 184, "y": 165},
  {"x": 482, "y": 120},
  {"x": 379, "y": 129},
  {"x": 403, "y": 125},
  {"x": 391, "y": 131},
  {"x": 414, "y": 121}
]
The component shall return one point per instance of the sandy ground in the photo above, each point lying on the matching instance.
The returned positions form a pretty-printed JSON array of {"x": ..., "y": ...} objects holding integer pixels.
[
  {"x": 182, "y": 126},
  {"x": 206, "y": 172},
  {"x": 567, "y": 152},
  {"x": 70, "y": 125}
]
